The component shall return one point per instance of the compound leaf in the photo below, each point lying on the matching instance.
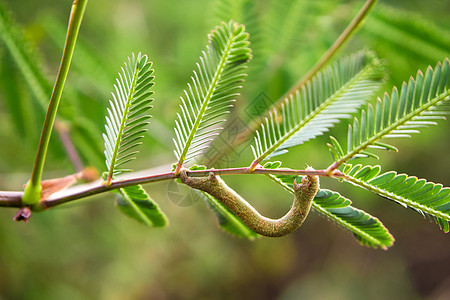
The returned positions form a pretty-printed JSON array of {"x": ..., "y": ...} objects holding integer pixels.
[
  {"x": 420, "y": 103},
  {"x": 127, "y": 114},
  {"x": 214, "y": 87},
  {"x": 429, "y": 199}
]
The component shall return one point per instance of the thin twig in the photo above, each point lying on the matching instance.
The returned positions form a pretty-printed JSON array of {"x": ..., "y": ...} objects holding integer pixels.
[
  {"x": 71, "y": 151},
  {"x": 76, "y": 16},
  {"x": 12, "y": 199}
]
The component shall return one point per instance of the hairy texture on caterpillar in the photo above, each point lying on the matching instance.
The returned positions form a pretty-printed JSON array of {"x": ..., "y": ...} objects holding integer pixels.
[{"x": 303, "y": 197}]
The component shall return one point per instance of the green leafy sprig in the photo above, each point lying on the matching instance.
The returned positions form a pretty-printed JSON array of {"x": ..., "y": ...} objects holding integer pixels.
[
  {"x": 420, "y": 103},
  {"x": 125, "y": 126},
  {"x": 214, "y": 88},
  {"x": 429, "y": 199}
]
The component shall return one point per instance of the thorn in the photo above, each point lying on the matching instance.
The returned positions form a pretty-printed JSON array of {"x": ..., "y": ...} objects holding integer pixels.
[{"x": 23, "y": 214}]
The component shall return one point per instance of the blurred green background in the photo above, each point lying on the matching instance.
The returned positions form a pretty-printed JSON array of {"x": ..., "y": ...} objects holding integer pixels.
[{"x": 88, "y": 250}]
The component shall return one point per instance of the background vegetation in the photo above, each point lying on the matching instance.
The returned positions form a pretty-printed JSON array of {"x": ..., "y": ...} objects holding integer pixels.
[{"x": 92, "y": 251}]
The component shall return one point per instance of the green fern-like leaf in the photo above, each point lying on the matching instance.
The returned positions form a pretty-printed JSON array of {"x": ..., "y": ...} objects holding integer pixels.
[
  {"x": 430, "y": 199},
  {"x": 333, "y": 94},
  {"x": 241, "y": 11},
  {"x": 368, "y": 230},
  {"x": 214, "y": 88},
  {"x": 18, "y": 100},
  {"x": 127, "y": 114},
  {"x": 137, "y": 204},
  {"x": 419, "y": 103},
  {"x": 409, "y": 31},
  {"x": 125, "y": 126},
  {"x": 284, "y": 26},
  {"x": 24, "y": 56},
  {"x": 226, "y": 219}
]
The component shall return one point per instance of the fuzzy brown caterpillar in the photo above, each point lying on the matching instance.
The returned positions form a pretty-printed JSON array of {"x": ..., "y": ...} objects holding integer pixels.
[{"x": 304, "y": 193}]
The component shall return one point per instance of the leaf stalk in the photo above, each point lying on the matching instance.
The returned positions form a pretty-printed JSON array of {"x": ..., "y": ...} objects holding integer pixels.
[{"x": 33, "y": 187}]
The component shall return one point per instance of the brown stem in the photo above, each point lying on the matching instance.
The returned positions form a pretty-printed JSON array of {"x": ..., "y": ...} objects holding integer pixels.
[
  {"x": 105, "y": 188},
  {"x": 13, "y": 199},
  {"x": 10, "y": 199}
]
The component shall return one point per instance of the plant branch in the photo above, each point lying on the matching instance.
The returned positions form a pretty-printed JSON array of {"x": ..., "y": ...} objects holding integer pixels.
[
  {"x": 72, "y": 153},
  {"x": 13, "y": 199},
  {"x": 76, "y": 16}
]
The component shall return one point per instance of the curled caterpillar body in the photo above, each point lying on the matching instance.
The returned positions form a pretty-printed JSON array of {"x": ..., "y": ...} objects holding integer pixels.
[{"x": 216, "y": 187}]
